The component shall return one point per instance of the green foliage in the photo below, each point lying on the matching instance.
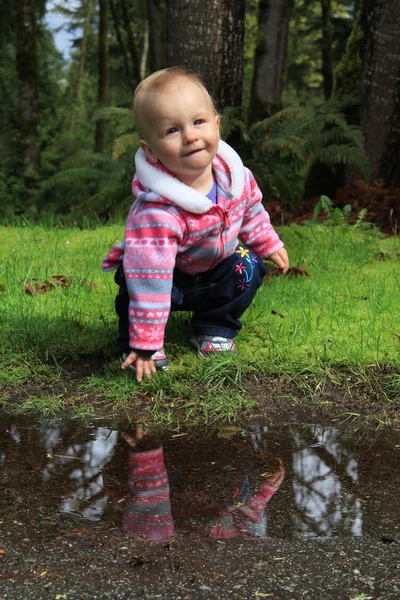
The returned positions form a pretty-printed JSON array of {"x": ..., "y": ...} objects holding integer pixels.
[
  {"x": 338, "y": 216},
  {"x": 105, "y": 180},
  {"x": 348, "y": 70},
  {"x": 303, "y": 77},
  {"x": 282, "y": 149}
]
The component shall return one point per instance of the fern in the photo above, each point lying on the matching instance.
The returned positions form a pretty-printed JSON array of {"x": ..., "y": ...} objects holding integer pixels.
[
  {"x": 282, "y": 149},
  {"x": 336, "y": 215}
]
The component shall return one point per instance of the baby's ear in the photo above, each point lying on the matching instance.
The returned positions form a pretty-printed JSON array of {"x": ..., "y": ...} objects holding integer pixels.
[
  {"x": 146, "y": 148},
  {"x": 218, "y": 124}
]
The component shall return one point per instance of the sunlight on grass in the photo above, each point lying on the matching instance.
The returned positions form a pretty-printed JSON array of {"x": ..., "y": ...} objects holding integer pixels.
[{"x": 343, "y": 314}]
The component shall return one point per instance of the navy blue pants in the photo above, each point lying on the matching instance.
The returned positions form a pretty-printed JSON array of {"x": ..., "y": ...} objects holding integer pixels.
[{"x": 217, "y": 297}]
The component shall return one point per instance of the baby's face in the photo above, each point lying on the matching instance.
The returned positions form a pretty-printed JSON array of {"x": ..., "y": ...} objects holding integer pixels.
[{"x": 181, "y": 129}]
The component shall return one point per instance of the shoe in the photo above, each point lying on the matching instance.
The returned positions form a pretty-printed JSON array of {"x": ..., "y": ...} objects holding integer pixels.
[
  {"x": 160, "y": 360},
  {"x": 208, "y": 344}
]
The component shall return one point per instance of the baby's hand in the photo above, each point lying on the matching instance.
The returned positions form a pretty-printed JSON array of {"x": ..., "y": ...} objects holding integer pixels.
[
  {"x": 281, "y": 259},
  {"x": 143, "y": 365},
  {"x": 133, "y": 439},
  {"x": 276, "y": 478}
]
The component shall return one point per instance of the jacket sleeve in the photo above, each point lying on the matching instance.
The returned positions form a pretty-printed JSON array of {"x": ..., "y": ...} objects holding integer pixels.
[
  {"x": 152, "y": 235},
  {"x": 256, "y": 230},
  {"x": 113, "y": 258}
]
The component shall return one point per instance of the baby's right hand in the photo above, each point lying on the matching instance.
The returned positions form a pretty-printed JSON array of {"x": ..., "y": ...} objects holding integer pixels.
[{"x": 143, "y": 365}]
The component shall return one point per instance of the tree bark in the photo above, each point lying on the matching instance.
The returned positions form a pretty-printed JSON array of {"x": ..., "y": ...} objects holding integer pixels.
[
  {"x": 274, "y": 17},
  {"x": 82, "y": 57},
  {"x": 380, "y": 87},
  {"x": 327, "y": 71},
  {"x": 157, "y": 55},
  {"x": 207, "y": 36},
  {"x": 131, "y": 41},
  {"x": 145, "y": 51},
  {"x": 124, "y": 54},
  {"x": 102, "y": 96},
  {"x": 28, "y": 83}
]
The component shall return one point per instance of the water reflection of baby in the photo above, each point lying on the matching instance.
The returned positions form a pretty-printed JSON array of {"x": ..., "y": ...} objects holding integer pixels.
[{"x": 148, "y": 513}]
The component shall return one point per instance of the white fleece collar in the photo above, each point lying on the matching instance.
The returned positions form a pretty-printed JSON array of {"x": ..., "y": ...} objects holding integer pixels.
[{"x": 162, "y": 184}]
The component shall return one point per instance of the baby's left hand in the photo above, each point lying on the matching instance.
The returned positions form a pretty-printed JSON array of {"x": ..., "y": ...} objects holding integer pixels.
[{"x": 281, "y": 259}]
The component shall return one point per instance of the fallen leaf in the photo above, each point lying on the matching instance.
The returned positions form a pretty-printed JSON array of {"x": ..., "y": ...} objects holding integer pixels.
[
  {"x": 297, "y": 271},
  {"x": 228, "y": 432},
  {"x": 2, "y": 551},
  {"x": 34, "y": 287}
]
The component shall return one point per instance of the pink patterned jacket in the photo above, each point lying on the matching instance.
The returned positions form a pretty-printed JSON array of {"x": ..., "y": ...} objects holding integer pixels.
[{"x": 172, "y": 225}]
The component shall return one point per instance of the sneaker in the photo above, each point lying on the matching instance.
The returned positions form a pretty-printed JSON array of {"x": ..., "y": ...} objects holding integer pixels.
[
  {"x": 159, "y": 357},
  {"x": 208, "y": 344}
]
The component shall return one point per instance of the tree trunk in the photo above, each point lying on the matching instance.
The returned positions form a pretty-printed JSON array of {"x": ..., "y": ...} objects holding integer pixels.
[
  {"x": 102, "y": 96},
  {"x": 131, "y": 41},
  {"x": 157, "y": 56},
  {"x": 207, "y": 36},
  {"x": 380, "y": 87},
  {"x": 274, "y": 17},
  {"x": 82, "y": 57},
  {"x": 124, "y": 54},
  {"x": 28, "y": 83},
  {"x": 327, "y": 72},
  {"x": 145, "y": 52}
]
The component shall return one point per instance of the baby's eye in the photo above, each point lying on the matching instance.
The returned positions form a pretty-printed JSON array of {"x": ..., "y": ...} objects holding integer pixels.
[
  {"x": 199, "y": 121},
  {"x": 172, "y": 130}
]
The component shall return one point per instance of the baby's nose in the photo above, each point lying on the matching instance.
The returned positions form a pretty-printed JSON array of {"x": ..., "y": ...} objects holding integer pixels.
[{"x": 190, "y": 135}]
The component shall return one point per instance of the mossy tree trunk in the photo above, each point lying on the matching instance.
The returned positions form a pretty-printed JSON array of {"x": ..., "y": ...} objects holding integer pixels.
[
  {"x": 380, "y": 87},
  {"x": 27, "y": 71},
  {"x": 274, "y": 17},
  {"x": 102, "y": 94},
  {"x": 208, "y": 37}
]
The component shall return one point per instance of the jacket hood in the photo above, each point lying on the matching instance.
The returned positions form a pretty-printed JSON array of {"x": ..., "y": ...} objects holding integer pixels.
[{"x": 161, "y": 183}]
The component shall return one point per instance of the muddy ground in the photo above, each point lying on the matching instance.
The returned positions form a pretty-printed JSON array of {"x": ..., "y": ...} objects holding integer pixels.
[
  {"x": 340, "y": 396},
  {"x": 92, "y": 563}
]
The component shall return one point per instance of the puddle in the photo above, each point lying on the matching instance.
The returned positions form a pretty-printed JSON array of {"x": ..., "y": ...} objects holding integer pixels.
[{"x": 261, "y": 482}]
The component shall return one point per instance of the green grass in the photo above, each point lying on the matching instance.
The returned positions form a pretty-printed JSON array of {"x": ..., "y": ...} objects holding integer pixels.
[{"x": 343, "y": 316}]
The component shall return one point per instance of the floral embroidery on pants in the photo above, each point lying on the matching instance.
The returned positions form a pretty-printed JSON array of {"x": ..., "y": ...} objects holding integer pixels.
[{"x": 245, "y": 268}]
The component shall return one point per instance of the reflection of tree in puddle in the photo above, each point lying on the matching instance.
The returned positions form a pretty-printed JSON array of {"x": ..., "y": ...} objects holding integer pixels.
[
  {"x": 83, "y": 463},
  {"x": 58, "y": 465},
  {"x": 325, "y": 478}
]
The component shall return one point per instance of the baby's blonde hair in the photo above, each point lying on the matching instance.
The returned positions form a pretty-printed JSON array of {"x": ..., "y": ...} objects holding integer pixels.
[{"x": 158, "y": 81}]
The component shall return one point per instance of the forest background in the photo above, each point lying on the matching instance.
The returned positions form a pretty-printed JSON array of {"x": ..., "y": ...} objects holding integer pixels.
[{"x": 309, "y": 90}]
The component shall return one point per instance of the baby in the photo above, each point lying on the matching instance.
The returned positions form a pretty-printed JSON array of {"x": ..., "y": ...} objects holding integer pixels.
[{"x": 194, "y": 201}]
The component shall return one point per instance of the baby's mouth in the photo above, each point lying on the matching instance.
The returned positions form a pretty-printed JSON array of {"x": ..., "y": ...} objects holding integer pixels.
[{"x": 194, "y": 151}]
